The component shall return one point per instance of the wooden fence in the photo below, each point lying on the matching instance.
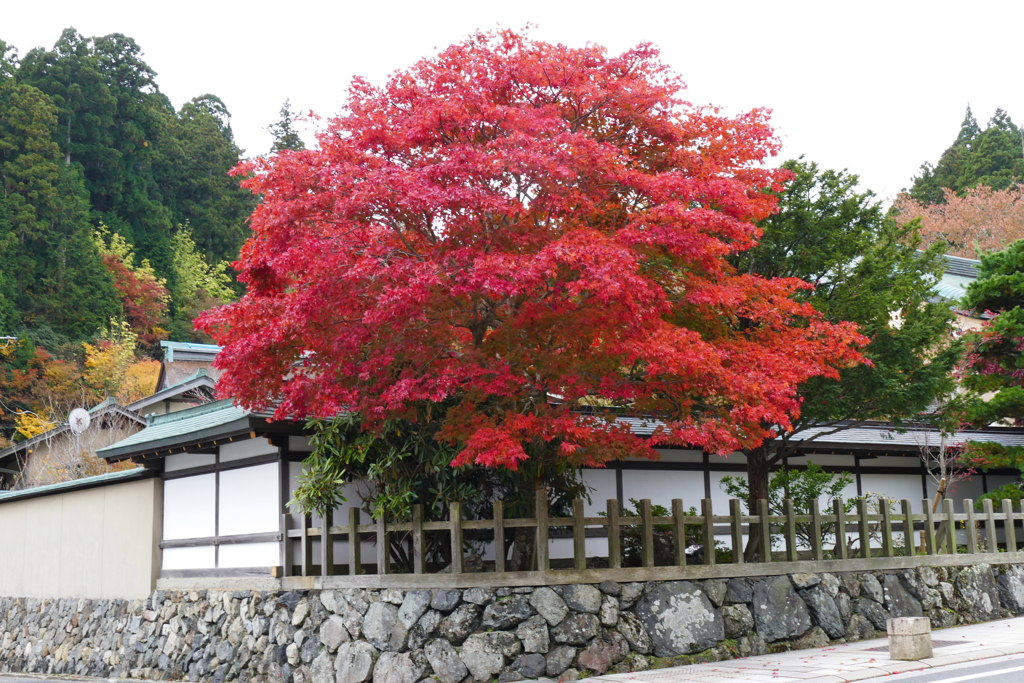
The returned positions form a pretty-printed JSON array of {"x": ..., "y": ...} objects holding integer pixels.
[{"x": 645, "y": 546}]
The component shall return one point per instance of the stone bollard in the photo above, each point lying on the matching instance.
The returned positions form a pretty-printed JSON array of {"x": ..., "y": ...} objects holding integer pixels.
[{"x": 910, "y": 638}]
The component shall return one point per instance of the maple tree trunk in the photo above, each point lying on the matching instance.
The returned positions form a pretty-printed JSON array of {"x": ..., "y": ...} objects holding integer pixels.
[{"x": 758, "y": 469}]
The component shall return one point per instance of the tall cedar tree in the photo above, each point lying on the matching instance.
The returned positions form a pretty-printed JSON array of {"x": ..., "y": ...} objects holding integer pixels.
[
  {"x": 285, "y": 136},
  {"x": 993, "y": 157},
  {"x": 526, "y": 234},
  {"x": 865, "y": 268},
  {"x": 995, "y": 361}
]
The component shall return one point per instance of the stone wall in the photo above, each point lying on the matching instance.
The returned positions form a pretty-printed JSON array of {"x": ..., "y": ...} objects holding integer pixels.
[{"x": 509, "y": 634}]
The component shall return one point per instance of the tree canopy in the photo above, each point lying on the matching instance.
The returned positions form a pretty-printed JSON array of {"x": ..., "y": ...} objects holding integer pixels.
[
  {"x": 531, "y": 235},
  {"x": 993, "y": 157},
  {"x": 994, "y": 362},
  {"x": 977, "y": 221},
  {"x": 865, "y": 268}
]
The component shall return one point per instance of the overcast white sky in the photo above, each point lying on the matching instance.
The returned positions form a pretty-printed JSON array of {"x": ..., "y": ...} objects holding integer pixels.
[{"x": 874, "y": 87}]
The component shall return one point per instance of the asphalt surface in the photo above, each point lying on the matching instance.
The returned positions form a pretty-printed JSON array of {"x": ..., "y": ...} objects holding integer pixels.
[{"x": 997, "y": 670}]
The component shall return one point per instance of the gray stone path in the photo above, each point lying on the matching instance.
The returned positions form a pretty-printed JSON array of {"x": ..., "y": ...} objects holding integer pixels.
[{"x": 846, "y": 662}]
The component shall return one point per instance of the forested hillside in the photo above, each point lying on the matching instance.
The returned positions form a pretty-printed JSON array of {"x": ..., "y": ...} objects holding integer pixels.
[{"x": 118, "y": 219}]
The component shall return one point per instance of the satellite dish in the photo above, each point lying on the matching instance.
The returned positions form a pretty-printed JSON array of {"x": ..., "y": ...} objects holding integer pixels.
[{"x": 78, "y": 420}]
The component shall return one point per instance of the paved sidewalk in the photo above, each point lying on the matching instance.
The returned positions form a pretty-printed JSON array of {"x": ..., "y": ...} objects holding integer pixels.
[{"x": 846, "y": 662}]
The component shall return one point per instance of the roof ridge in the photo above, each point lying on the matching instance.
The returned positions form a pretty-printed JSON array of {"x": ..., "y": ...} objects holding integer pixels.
[{"x": 212, "y": 407}]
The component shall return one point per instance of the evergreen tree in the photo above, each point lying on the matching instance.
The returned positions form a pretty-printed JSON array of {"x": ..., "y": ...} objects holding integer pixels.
[
  {"x": 195, "y": 176},
  {"x": 993, "y": 157},
  {"x": 864, "y": 268},
  {"x": 52, "y": 266},
  {"x": 285, "y": 136}
]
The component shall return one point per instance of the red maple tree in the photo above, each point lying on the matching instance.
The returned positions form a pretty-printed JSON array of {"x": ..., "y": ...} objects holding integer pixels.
[{"x": 531, "y": 236}]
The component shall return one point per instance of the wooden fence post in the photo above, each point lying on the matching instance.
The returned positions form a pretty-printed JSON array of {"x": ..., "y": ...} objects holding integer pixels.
[
  {"x": 737, "y": 530},
  {"x": 949, "y": 531},
  {"x": 840, "y": 515},
  {"x": 327, "y": 545},
  {"x": 383, "y": 548},
  {"x": 678, "y": 532},
  {"x": 971, "y": 526},
  {"x": 865, "y": 530},
  {"x": 930, "y": 548},
  {"x": 418, "y": 549},
  {"x": 355, "y": 544},
  {"x": 541, "y": 537},
  {"x": 709, "y": 531},
  {"x": 646, "y": 533},
  {"x": 817, "y": 551},
  {"x": 766, "y": 530},
  {"x": 991, "y": 539},
  {"x": 1009, "y": 527},
  {"x": 455, "y": 524},
  {"x": 306, "y": 546},
  {"x": 286, "y": 546},
  {"x": 614, "y": 535},
  {"x": 908, "y": 527},
  {"x": 787, "y": 508},
  {"x": 886, "y": 528},
  {"x": 499, "y": 536},
  {"x": 579, "y": 538}
]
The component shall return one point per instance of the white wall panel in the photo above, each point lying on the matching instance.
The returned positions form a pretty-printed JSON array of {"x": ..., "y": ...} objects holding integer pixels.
[
  {"x": 661, "y": 486},
  {"x": 602, "y": 484},
  {"x": 199, "y": 557},
  {"x": 249, "y": 448},
  {"x": 895, "y": 486},
  {"x": 249, "y": 555},
  {"x": 189, "y": 507},
  {"x": 184, "y": 461},
  {"x": 249, "y": 500}
]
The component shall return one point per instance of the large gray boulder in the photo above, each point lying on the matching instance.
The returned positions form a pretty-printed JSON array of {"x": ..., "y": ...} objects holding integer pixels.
[
  {"x": 457, "y": 626},
  {"x": 354, "y": 663},
  {"x": 400, "y": 667},
  {"x": 603, "y": 652},
  {"x": 977, "y": 586},
  {"x": 577, "y": 629},
  {"x": 779, "y": 613},
  {"x": 507, "y": 612},
  {"x": 900, "y": 601},
  {"x": 549, "y": 605},
  {"x": 484, "y": 653},
  {"x": 1011, "y": 589},
  {"x": 679, "y": 619},
  {"x": 582, "y": 598},
  {"x": 382, "y": 628},
  {"x": 824, "y": 610},
  {"x": 447, "y": 666}
]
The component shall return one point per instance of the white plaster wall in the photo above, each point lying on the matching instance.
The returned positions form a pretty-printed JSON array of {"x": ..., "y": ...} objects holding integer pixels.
[
  {"x": 189, "y": 505},
  {"x": 249, "y": 500},
  {"x": 184, "y": 461},
  {"x": 248, "y": 448},
  {"x": 94, "y": 543}
]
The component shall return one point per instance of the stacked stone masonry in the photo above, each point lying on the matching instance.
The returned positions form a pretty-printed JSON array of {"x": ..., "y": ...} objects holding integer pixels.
[{"x": 505, "y": 634}]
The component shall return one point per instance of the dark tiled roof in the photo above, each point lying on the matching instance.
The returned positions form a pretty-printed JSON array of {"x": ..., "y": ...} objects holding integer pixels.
[{"x": 958, "y": 265}]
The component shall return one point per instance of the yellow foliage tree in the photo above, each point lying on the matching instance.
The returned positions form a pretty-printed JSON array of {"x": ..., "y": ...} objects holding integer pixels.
[
  {"x": 28, "y": 424},
  {"x": 107, "y": 362},
  {"x": 139, "y": 381}
]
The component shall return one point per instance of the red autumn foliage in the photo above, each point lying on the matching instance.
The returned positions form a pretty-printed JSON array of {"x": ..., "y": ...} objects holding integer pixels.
[
  {"x": 143, "y": 298},
  {"x": 530, "y": 235}
]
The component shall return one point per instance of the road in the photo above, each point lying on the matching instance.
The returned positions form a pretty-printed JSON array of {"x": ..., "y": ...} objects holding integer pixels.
[{"x": 996, "y": 670}]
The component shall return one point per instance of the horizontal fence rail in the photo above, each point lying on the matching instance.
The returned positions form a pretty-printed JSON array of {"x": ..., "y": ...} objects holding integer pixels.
[{"x": 642, "y": 544}]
